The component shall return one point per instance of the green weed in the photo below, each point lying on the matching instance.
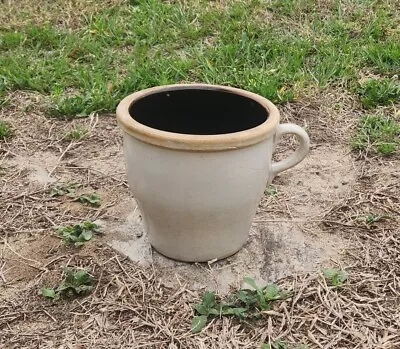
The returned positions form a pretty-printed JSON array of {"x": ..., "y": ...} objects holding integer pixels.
[
  {"x": 76, "y": 133},
  {"x": 377, "y": 133},
  {"x": 335, "y": 277},
  {"x": 74, "y": 283},
  {"x": 92, "y": 199},
  {"x": 78, "y": 234},
  {"x": 70, "y": 191},
  {"x": 371, "y": 219},
  {"x": 243, "y": 304},
  {"x": 5, "y": 129},
  {"x": 271, "y": 191},
  {"x": 65, "y": 189}
]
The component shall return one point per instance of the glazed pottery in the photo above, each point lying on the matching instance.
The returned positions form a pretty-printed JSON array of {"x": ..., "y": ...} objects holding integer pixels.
[{"x": 198, "y": 159}]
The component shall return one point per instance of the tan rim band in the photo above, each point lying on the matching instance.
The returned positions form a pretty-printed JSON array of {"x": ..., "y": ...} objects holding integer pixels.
[{"x": 197, "y": 142}]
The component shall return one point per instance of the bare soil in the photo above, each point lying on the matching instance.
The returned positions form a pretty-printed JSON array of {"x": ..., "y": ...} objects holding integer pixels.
[{"x": 317, "y": 219}]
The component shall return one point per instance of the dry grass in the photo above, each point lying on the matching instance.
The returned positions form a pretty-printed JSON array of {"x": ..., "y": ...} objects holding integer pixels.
[
  {"x": 63, "y": 13},
  {"x": 131, "y": 307}
]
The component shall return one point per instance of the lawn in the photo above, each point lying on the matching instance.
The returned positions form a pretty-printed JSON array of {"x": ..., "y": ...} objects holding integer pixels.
[
  {"x": 87, "y": 62},
  {"x": 331, "y": 66}
]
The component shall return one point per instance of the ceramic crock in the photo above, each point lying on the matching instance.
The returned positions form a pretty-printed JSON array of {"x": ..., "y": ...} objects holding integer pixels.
[{"x": 198, "y": 158}]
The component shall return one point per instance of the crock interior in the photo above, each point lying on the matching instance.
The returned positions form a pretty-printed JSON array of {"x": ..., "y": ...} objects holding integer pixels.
[{"x": 198, "y": 111}]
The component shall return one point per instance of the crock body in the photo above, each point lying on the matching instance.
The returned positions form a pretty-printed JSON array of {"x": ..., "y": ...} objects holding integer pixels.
[
  {"x": 198, "y": 159},
  {"x": 197, "y": 206}
]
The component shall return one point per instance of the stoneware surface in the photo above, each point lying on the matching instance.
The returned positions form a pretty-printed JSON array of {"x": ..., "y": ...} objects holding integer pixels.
[{"x": 198, "y": 193}]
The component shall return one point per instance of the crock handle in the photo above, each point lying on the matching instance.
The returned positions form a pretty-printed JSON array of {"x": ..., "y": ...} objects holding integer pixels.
[{"x": 297, "y": 156}]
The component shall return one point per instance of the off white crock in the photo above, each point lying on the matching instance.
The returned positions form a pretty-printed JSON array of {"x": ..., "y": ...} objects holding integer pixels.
[{"x": 198, "y": 194}]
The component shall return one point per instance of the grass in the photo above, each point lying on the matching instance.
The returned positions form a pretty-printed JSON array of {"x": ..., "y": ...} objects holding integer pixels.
[
  {"x": 5, "y": 130},
  {"x": 376, "y": 92},
  {"x": 377, "y": 134},
  {"x": 89, "y": 64}
]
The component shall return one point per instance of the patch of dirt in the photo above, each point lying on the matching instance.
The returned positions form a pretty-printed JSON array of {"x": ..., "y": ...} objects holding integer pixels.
[
  {"x": 332, "y": 210},
  {"x": 282, "y": 243},
  {"x": 325, "y": 176},
  {"x": 39, "y": 165}
]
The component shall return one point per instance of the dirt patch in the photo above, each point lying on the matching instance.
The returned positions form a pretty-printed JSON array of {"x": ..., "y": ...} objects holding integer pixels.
[
  {"x": 39, "y": 165},
  {"x": 278, "y": 245},
  {"x": 331, "y": 210}
]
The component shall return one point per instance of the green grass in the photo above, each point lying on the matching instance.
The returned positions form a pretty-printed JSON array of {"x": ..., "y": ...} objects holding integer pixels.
[
  {"x": 377, "y": 134},
  {"x": 275, "y": 48},
  {"x": 379, "y": 92},
  {"x": 5, "y": 130}
]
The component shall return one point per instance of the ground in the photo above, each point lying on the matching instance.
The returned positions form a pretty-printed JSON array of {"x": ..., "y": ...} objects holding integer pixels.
[{"x": 331, "y": 67}]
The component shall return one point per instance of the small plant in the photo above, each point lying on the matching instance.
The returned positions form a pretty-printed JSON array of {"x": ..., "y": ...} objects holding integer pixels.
[
  {"x": 377, "y": 133},
  {"x": 64, "y": 189},
  {"x": 243, "y": 304},
  {"x": 371, "y": 219},
  {"x": 271, "y": 191},
  {"x": 379, "y": 92},
  {"x": 278, "y": 344},
  {"x": 77, "y": 133},
  {"x": 75, "y": 283},
  {"x": 79, "y": 233},
  {"x": 5, "y": 130},
  {"x": 335, "y": 277},
  {"x": 92, "y": 199},
  {"x": 70, "y": 191}
]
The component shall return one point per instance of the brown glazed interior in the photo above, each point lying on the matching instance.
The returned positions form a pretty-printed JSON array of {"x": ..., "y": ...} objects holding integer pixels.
[{"x": 197, "y": 117}]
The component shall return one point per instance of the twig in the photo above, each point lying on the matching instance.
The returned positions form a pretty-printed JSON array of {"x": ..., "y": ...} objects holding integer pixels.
[{"x": 61, "y": 157}]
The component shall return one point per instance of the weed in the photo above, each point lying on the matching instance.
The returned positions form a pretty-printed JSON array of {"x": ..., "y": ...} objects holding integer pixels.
[
  {"x": 64, "y": 189},
  {"x": 278, "y": 344},
  {"x": 271, "y": 191},
  {"x": 243, "y": 304},
  {"x": 377, "y": 133},
  {"x": 79, "y": 233},
  {"x": 5, "y": 130},
  {"x": 77, "y": 133},
  {"x": 70, "y": 191},
  {"x": 376, "y": 92},
  {"x": 74, "y": 283},
  {"x": 335, "y": 277},
  {"x": 371, "y": 219},
  {"x": 92, "y": 199}
]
